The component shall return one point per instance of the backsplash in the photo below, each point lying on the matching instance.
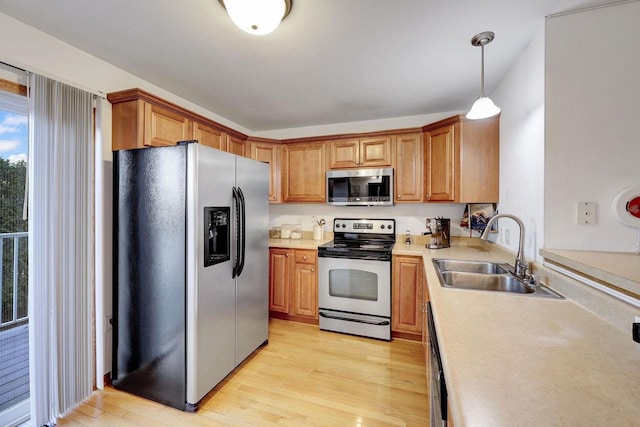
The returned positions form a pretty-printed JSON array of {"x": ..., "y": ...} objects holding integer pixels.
[{"x": 410, "y": 217}]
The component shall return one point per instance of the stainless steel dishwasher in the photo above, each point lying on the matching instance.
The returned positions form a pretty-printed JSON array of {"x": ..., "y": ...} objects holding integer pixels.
[{"x": 438, "y": 388}]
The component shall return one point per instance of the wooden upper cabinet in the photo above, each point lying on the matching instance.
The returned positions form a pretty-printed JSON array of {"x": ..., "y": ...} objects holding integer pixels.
[
  {"x": 303, "y": 173},
  {"x": 164, "y": 127},
  {"x": 140, "y": 119},
  {"x": 210, "y": 136},
  {"x": 270, "y": 153},
  {"x": 344, "y": 153},
  {"x": 440, "y": 168},
  {"x": 461, "y": 160},
  {"x": 236, "y": 145},
  {"x": 363, "y": 152},
  {"x": 407, "y": 163}
]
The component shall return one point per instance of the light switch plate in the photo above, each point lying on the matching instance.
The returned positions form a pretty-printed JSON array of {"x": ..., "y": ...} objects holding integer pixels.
[{"x": 587, "y": 213}]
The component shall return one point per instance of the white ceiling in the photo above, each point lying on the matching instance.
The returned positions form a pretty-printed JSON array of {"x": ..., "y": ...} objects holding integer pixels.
[{"x": 330, "y": 61}]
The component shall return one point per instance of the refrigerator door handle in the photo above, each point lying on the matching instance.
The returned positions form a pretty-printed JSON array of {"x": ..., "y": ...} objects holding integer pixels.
[
  {"x": 236, "y": 265},
  {"x": 243, "y": 231}
]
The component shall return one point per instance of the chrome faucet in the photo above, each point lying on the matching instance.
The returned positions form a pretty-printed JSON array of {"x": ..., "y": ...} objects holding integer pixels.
[{"x": 520, "y": 263}]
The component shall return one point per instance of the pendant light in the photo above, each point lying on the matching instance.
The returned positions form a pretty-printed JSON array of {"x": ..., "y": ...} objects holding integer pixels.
[
  {"x": 484, "y": 106},
  {"x": 257, "y": 17}
]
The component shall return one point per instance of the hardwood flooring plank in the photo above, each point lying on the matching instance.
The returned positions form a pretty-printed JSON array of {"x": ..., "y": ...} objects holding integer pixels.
[{"x": 303, "y": 377}]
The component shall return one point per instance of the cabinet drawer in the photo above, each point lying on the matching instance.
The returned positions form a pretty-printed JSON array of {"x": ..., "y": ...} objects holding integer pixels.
[{"x": 306, "y": 257}]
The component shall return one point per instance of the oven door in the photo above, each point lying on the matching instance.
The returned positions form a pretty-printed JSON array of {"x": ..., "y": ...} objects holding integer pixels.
[{"x": 355, "y": 286}]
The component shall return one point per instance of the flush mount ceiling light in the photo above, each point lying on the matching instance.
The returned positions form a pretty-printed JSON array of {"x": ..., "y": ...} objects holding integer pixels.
[
  {"x": 257, "y": 17},
  {"x": 484, "y": 106}
]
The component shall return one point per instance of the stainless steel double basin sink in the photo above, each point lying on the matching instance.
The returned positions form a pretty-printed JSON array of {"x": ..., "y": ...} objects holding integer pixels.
[{"x": 487, "y": 276}]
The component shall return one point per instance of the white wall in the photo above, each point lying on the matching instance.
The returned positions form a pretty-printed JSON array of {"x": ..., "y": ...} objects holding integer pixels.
[
  {"x": 592, "y": 124},
  {"x": 410, "y": 217},
  {"x": 520, "y": 95}
]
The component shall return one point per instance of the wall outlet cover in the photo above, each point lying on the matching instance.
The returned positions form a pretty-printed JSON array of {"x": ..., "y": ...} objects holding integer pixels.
[{"x": 586, "y": 213}]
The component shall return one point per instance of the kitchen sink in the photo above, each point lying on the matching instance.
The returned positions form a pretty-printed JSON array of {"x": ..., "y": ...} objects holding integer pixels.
[
  {"x": 471, "y": 266},
  {"x": 485, "y": 282},
  {"x": 487, "y": 276}
]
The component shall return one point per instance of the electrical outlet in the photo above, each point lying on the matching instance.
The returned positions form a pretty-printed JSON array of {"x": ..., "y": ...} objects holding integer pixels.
[{"x": 507, "y": 236}]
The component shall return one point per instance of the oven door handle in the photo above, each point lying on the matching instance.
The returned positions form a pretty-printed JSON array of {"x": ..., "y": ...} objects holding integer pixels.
[{"x": 368, "y": 322}]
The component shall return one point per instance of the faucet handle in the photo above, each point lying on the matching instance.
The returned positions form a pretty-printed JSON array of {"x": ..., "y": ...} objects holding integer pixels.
[{"x": 534, "y": 280}]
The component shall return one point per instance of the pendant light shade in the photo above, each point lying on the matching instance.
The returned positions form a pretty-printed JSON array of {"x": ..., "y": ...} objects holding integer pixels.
[
  {"x": 484, "y": 107},
  {"x": 257, "y": 17}
]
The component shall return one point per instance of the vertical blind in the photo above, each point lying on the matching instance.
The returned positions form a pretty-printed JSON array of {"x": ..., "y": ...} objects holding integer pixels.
[{"x": 60, "y": 247}]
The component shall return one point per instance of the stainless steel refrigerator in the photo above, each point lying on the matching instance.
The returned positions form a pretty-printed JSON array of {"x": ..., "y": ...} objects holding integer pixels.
[{"x": 190, "y": 269}]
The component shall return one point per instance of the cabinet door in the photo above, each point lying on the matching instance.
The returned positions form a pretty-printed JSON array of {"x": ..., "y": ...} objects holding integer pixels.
[
  {"x": 439, "y": 155},
  {"x": 209, "y": 136},
  {"x": 164, "y": 127},
  {"x": 344, "y": 154},
  {"x": 304, "y": 292},
  {"x": 408, "y": 168},
  {"x": 375, "y": 151},
  {"x": 236, "y": 145},
  {"x": 406, "y": 315},
  {"x": 303, "y": 173},
  {"x": 280, "y": 262},
  {"x": 269, "y": 153}
]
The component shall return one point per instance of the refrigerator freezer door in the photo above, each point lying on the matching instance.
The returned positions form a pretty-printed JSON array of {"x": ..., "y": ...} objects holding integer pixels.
[
  {"x": 210, "y": 290},
  {"x": 252, "y": 288},
  {"x": 149, "y": 266}
]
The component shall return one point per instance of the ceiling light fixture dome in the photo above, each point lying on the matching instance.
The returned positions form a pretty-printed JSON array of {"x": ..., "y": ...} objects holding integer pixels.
[
  {"x": 257, "y": 17},
  {"x": 484, "y": 106}
]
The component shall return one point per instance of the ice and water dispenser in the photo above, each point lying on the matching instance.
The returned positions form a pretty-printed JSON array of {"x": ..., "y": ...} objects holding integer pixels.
[{"x": 217, "y": 231}]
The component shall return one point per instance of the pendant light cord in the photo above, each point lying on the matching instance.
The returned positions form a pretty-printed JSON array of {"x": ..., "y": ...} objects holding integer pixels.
[{"x": 482, "y": 72}]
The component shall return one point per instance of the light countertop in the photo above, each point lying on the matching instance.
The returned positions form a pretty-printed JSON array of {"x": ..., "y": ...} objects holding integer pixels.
[
  {"x": 297, "y": 243},
  {"x": 518, "y": 360},
  {"x": 621, "y": 269}
]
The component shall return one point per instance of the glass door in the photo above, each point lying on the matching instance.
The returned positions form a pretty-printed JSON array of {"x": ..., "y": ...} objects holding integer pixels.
[{"x": 14, "y": 319}]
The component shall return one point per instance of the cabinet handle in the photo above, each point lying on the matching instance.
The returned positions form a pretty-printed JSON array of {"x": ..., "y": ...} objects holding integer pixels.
[
  {"x": 399, "y": 197},
  {"x": 427, "y": 196},
  {"x": 313, "y": 269},
  {"x": 304, "y": 257}
]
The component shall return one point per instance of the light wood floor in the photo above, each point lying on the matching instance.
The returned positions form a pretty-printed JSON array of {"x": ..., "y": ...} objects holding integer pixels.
[{"x": 304, "y": 377}]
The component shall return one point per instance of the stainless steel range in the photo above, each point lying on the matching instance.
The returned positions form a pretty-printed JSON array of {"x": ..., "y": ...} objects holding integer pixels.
[{"x": 354, "y": 278}]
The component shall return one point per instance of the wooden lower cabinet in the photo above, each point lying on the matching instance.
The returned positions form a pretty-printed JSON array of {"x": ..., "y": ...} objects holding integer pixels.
[
  {"x": 407, "y": 297},
  {"x": 293, "y": 284}
]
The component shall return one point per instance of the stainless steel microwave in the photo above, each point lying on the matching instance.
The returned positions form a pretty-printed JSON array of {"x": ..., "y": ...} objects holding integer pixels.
[{"x": 360, "y": 187}]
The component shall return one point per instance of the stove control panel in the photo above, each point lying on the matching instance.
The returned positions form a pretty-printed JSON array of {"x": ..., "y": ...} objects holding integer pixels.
[{"x": 364, "y": 226}]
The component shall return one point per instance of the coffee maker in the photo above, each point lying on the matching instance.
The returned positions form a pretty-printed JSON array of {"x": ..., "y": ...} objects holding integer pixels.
[{"x": 439, "y": 229}]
